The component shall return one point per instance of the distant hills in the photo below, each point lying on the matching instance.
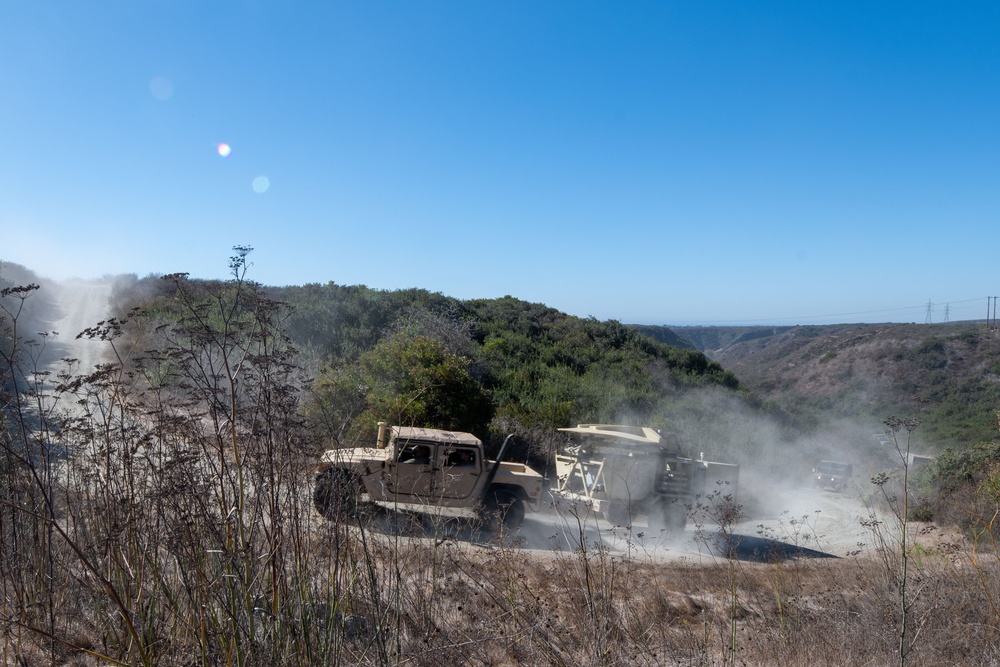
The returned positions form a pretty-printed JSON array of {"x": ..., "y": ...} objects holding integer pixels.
[{"x": 947, "y": 375}]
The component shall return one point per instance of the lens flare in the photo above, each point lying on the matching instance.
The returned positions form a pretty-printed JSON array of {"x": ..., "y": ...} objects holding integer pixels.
[
  {"x": 261, "y": 184},
  {"x": 161, "y": 88},
  {"x": 225, "y": 150}
]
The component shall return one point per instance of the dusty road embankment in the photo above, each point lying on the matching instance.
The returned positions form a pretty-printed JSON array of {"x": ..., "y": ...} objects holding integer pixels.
[{"x": 805, "y": 523}]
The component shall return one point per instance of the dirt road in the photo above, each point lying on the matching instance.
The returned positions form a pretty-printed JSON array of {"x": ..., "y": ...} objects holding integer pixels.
[
  {"x": 805, "y": 523},
  {"x": 809, "y": 524}
]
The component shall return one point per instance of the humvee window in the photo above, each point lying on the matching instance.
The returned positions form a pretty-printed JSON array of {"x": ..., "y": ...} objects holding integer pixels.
[
  {"x": 415, "y": 454},
  {"x": 461, "y": 457}
]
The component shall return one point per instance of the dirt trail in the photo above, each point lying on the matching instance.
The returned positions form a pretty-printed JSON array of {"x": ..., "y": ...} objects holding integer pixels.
[
  {"x": 807, "y": 523},
  {"x": 812, "y": 521}
]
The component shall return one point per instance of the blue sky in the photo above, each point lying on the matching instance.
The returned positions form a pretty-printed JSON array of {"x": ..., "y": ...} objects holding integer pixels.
[{"x": 651, "y": 162}]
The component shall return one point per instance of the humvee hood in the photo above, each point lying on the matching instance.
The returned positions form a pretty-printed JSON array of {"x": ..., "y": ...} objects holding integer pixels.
[{"x": 355, "y": 455}]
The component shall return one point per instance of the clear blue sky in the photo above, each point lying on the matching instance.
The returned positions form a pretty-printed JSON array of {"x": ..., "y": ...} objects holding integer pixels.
[{"x": 654, "y": 162}]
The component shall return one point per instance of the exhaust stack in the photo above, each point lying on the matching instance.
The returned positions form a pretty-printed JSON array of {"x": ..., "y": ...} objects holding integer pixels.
[{"x": 381, "y": 442}]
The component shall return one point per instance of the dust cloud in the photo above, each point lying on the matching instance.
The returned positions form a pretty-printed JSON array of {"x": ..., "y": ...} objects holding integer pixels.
[
  {"x": 777, "y": 503},
  {"x": 73, "y": 307},
  {"x": 81, "y": 305}
]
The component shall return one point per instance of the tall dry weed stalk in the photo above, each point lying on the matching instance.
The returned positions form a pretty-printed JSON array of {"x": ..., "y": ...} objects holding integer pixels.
[
  {"x": 716, "y": 517},
  {"x": 157, "y": 499},
  {"x": 984, "y": 517},
  {"x": 894, "y": 545}
]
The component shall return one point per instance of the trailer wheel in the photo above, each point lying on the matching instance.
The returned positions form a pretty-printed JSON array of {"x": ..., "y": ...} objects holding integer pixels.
[
  {"x": 335, "y": 494},
  {"x": 618, "y": 513},
  {"x": 668, "y": 516},
  {"x": 503, "y": 510}
]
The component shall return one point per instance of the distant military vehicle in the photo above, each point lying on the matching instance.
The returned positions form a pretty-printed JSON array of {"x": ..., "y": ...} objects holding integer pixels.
[{"x": 832, "y": 475}]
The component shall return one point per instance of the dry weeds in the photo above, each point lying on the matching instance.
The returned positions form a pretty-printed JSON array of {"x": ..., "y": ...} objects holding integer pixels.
[{"x": 375, "y": 599}]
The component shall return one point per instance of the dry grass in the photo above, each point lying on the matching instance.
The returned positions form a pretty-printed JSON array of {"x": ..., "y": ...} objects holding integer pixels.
[
  {"x": 595, "y": 609},
  {"x": 371, "y": 598}
]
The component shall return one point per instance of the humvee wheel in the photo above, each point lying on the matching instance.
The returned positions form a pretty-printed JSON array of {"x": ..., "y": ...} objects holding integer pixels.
[
  {"x": 335, "y": 495},
  {"x": 503, "y": 509}
]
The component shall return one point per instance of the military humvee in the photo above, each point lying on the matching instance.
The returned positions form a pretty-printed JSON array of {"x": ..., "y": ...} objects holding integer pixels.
[
  {"x": 832, "y": 475},
  {"x": 428, "y": 468}
]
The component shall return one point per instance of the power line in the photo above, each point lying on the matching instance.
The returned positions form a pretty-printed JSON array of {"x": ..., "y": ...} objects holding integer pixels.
[{"x": 927, "y": 308}]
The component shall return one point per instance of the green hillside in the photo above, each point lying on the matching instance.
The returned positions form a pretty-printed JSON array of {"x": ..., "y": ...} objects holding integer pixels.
[
  {"x": 483, "y": 365},
  {"x": 537, "y": 367},
  {"x": 947, "y": 375}
]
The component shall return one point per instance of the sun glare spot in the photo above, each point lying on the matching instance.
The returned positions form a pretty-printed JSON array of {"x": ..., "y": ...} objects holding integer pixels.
[
  {"x": 225, "y": 150},
  {"x": 261, "y": 184}
]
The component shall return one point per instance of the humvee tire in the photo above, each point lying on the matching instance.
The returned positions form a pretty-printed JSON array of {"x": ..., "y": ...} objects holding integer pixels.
[
  {"x": 335, "y": 495},
  {"x": 503, "y": 509}
]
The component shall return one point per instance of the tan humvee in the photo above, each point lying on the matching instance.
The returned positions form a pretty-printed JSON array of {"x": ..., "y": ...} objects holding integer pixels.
[{"x": 428, "y": 467}]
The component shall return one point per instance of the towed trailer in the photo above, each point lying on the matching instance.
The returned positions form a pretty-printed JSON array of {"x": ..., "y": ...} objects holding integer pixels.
[{"x": 624, "y": 472}]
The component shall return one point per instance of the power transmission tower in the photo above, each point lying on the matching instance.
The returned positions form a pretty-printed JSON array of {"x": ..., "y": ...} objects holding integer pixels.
[
  {"x": 930, "y": 311},
  {"x": 947, "y": 312}
]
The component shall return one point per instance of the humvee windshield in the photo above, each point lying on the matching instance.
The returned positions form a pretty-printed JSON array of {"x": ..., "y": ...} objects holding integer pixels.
[{"x": 834, "y": 468}]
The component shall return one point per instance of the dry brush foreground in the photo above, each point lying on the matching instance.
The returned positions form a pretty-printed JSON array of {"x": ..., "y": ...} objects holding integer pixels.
[{"x": 355, "y": 597}]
